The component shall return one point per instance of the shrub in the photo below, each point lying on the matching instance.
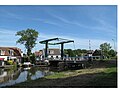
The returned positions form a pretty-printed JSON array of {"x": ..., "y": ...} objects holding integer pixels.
[{"x": 10, "y": 62}]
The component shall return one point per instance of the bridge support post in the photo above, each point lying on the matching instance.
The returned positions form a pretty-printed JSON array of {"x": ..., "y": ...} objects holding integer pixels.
[
  {"x": 62, "y": 51},
  {"x": 46, "y": 50}
]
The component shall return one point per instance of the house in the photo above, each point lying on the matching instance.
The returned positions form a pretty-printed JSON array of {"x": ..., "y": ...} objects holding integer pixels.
[
  {"x": 10, "y": 53},
  {"x": 39, "y": 55},
  {"x": 53, "y": 53},
  {"x": 89, "y": 53}
]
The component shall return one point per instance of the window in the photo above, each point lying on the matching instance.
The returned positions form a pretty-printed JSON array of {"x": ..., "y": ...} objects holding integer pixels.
[
  {"x": 2, "y": 52},
  {"x": 11, "y": 52},
  {"x": 56, "y": 56},
  {"x": 51, "y": 52},
  {"x": 42, "y": 56},
  {"x": 51, "y": 56}
]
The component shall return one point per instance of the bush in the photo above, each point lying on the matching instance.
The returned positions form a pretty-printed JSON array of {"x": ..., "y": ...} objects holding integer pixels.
[
  {"x": 10, "y": 62},
  {"x": 24, "y": 59},
  {"x": 32, "y": 59},
  {"x": 115, "y": 58}
]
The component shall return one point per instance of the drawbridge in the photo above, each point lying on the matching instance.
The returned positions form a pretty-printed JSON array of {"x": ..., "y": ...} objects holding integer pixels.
[{"x": 55, "y": 41}]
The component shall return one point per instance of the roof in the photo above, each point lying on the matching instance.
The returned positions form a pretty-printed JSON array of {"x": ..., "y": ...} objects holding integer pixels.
[
  {"x": 1, "y": 59},
  {"x": 15, "y": 49}
]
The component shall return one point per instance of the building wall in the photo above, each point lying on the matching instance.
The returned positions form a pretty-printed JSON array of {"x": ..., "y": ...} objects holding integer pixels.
[
  {"x": 5, "y": 57},
  {"x": 10, "y": 53},
  {"x": 1, "y": 63},
  {"x": 54, "y": 56},
  {"x": 52, "y": 53}
]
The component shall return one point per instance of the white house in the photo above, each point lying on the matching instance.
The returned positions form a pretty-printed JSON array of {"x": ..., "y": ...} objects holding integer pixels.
[
  {"x": 10, "y": 53},
  {"x": 53, "y": 53}
]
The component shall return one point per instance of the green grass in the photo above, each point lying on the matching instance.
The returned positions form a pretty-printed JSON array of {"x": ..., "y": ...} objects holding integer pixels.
[
  {"x": 100, "y": 74},
  {"x": 108, "y": 78},
  {"x": 71, "y": 73},
  {"x": 56, "y": 75}
]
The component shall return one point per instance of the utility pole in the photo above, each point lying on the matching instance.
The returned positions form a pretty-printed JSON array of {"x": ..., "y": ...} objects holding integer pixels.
[{"x": 89, "y": 45}]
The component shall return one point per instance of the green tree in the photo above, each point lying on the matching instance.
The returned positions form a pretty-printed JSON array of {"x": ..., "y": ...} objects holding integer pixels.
[
  {"x": 97, "y": 53},
  {"x": 84, "y": 51},
  {"x": 105, "y": 48},
  {"x": 112, "y": 53},
  {"x": 28, "y": 38},
  {"x": 73, "y": 53},
  {"x": 69, "y": 52},
  {"x": 79, "y": 52},
  {"x": 32, "y": 58}
]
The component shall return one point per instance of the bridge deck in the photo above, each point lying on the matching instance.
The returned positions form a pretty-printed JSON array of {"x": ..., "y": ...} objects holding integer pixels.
[{"x": 67, "y": 62}]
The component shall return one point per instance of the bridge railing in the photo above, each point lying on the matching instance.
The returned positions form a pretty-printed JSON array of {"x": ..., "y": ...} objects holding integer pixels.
[{"x": 75, "y": 58}]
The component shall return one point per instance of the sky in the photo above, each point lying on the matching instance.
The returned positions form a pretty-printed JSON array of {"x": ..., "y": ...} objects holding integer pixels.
[{"x": 81, "y": 23}]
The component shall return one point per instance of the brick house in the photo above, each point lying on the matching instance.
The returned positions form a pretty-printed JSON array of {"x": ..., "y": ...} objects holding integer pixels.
[{"x": 10, "y": 53}]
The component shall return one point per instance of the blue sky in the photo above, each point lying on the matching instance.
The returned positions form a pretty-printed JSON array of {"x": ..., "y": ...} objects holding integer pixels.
[{"x": 77, "y": 22}]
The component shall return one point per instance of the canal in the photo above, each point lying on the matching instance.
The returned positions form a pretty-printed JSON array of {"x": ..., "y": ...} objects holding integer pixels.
[{"x": 11, "y": 76}]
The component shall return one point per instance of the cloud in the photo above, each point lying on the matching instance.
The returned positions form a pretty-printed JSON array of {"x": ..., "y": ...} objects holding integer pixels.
[
  {"x": 47, "y": 21},
  {"x": 103, "y": 23},
  {"x": 6, "y": 32},
  {"x": 61, "y": 18},
  {"x": 100, "y": 25},
  {"x": 52, "y": 23},
  {"x": 78, "y": 42},
  {"x": 11, "y": 15},
  {"x": 7, "y": 37}
]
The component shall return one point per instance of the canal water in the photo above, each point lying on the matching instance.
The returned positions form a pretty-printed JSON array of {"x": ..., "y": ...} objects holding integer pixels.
[{"x": 14, "y": 75}]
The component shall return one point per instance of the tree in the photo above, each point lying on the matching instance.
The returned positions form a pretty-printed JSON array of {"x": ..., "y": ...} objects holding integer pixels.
[
  {"x": 73, "y": 53},
  {"x": 105, "y": 48},
  {"x": 112, "y": 53},
  {"x": 28, "y": 38},
  {"x": 69, "y": 52},
  {"x": 97, "y": 53},
  {"x": 32, "y": 58}
]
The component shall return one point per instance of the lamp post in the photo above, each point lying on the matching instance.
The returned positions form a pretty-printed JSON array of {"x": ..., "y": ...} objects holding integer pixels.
[{"x": 114, "y": 43}]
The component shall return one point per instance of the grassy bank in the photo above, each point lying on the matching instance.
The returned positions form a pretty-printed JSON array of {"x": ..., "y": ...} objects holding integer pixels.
[{"x": 99, "y": 74}]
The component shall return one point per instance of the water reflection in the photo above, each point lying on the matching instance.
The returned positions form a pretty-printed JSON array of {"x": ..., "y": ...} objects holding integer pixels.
[{"x": 16, "y": 75}]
